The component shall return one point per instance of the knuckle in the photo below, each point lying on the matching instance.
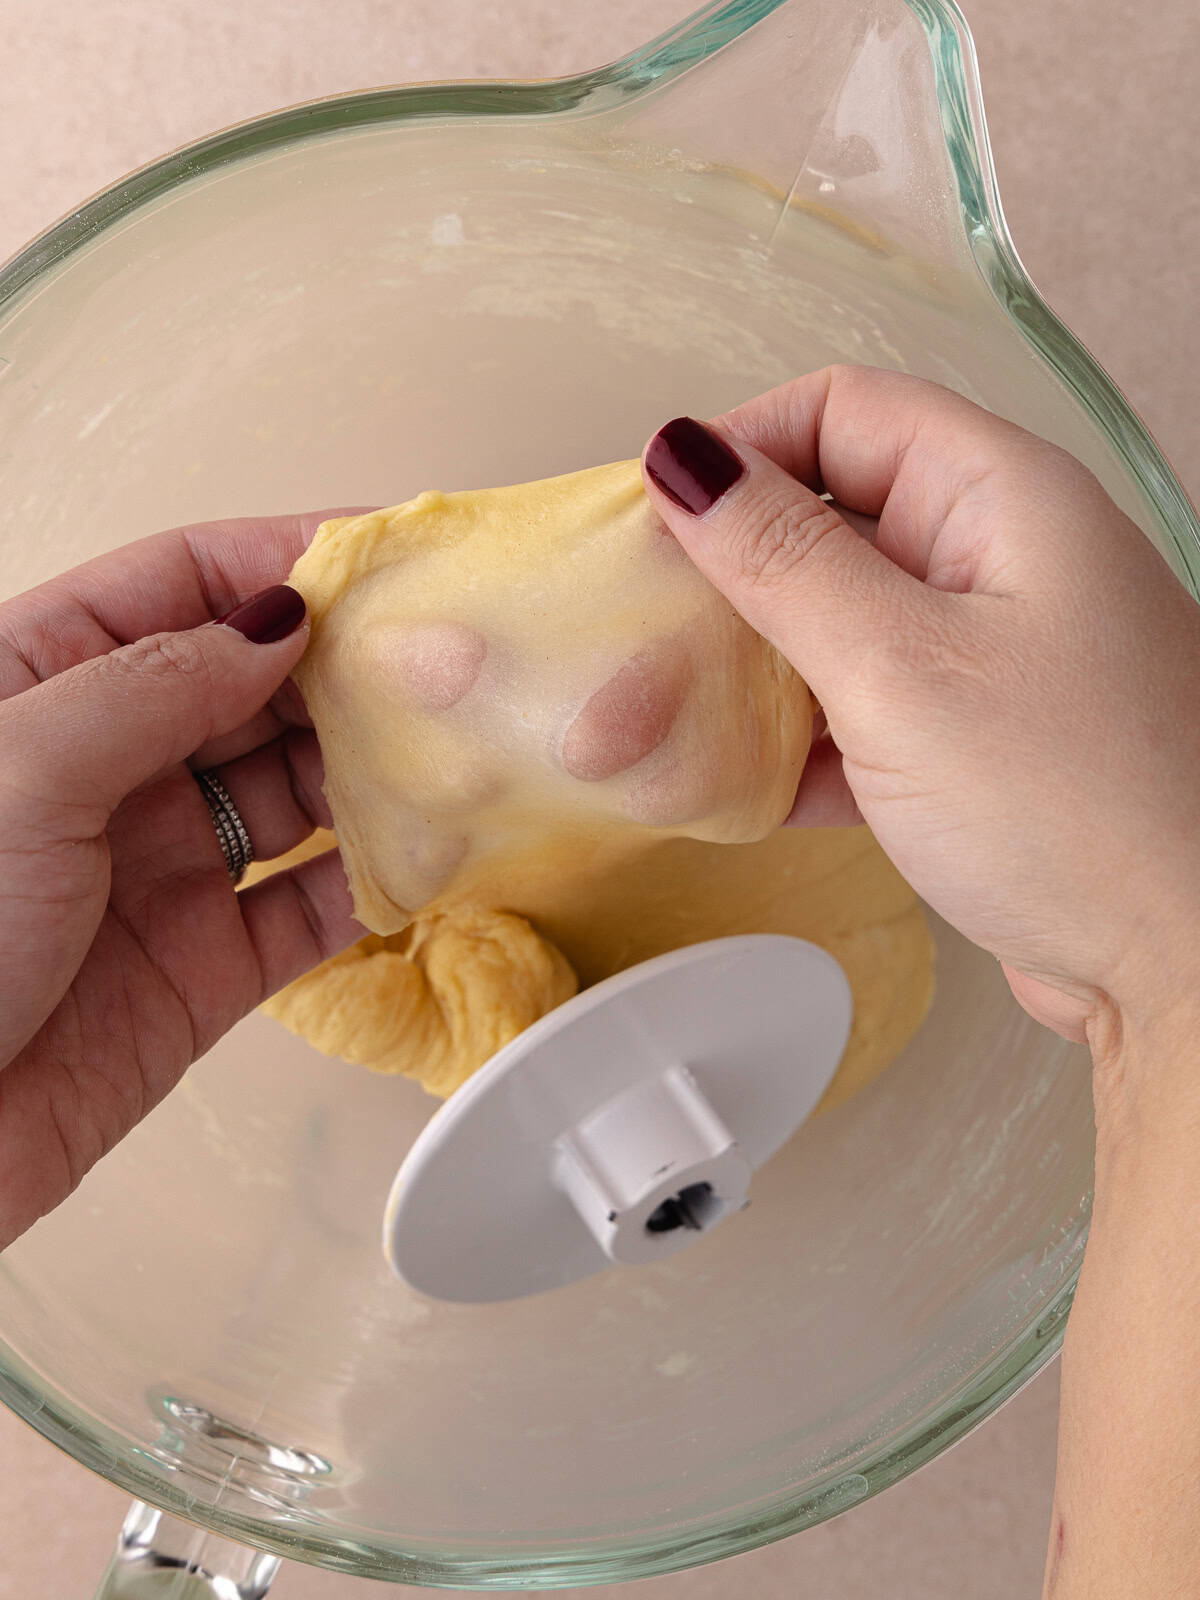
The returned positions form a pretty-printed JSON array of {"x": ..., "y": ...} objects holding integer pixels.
[
  {"x": 168, "y": 674},
  {"x": 170, "y": 656},
  {"x": 168, "y": 653},
  {"x": 774, "y": 548}
]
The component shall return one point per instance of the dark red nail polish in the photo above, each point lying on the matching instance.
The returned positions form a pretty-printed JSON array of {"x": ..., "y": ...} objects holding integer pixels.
[
  {"x": 268, "y": 616},
  {"x": 691, "y": 465}
]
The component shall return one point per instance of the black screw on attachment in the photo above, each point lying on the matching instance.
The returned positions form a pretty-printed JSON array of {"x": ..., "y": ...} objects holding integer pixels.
[{"x": 682, "y": 1210}]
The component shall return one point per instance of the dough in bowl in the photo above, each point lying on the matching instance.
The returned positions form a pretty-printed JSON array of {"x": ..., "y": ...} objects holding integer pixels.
[
  {"x": 500, "y": 670},
  {"x": 552, "y": 749}
]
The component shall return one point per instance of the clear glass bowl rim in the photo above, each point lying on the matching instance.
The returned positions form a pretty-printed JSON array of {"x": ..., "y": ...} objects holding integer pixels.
[{"x": 964, "y": 128}]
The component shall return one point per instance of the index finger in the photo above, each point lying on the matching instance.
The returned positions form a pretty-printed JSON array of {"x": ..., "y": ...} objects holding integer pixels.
[{"x": 169, "y": 581}]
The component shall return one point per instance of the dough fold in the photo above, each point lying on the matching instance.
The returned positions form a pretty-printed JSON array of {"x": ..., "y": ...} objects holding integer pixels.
[{"x": 451, "y": 990}]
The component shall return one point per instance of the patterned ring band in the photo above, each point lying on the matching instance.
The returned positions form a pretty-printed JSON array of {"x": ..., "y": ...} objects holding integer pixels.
[{"x": 230, "y": 829}]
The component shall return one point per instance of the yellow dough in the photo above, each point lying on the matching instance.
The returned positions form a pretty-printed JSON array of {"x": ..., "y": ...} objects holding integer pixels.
[
  {"x": 552, "y": 750},
  {"x": 452, "y": 990},
  {"x": 492, "y": 670}
]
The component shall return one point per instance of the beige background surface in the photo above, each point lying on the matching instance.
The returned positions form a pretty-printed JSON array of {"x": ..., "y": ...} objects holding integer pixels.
[{"x": 1095, "y": 124}]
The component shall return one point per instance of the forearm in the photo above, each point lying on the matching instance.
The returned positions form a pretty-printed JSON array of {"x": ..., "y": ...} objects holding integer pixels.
[{"x": 1126, "y": 1518}]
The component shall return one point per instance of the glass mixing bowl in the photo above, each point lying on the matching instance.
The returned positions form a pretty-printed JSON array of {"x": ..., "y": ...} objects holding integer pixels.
[{"x": 476, "y": 283}]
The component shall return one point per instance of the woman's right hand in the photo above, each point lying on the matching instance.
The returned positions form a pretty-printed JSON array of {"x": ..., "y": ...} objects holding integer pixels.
[{"x": 1009, "y": 671}]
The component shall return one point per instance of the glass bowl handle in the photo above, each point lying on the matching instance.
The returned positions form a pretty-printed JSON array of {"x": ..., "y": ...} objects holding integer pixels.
[{"x": 160, "y": 1557}]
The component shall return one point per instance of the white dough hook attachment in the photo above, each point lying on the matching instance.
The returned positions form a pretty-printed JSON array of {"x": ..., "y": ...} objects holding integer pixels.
[{"x": 623, "y": 1125}]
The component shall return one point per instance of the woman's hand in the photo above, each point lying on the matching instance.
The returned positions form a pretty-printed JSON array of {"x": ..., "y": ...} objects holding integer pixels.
[
  {"x": 1009, "y": 672},
  {"x": 1011, "y": 680},
  {"x": 127, "y": 952}
]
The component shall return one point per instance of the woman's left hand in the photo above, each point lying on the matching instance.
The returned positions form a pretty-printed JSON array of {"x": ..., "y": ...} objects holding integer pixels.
[{"x": 125, "y": 952}]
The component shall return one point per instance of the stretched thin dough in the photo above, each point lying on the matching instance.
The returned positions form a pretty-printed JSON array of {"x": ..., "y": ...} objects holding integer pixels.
[
  {"x": 496, "y": 669},
  {"x": 552, "y": 749}
]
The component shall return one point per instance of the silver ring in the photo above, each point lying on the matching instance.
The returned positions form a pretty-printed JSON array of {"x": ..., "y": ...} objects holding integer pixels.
[{"x": 230, "y": 829}]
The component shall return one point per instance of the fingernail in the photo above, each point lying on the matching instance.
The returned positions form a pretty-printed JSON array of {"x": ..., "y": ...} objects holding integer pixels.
[
  {"x": 267, "y": 617},
  {"x": 691, "y": 465}
]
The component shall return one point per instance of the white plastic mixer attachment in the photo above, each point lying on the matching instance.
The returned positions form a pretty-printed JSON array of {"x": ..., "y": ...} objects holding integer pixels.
[{"x": 622, "y": 1126}]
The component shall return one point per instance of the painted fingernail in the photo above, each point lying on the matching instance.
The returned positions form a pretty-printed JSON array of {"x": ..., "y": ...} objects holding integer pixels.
[
  {"x": 267, "y": 617},
  {"x": 691, "y": 465}
]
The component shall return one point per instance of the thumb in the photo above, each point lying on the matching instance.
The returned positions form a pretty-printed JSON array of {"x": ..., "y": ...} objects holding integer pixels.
[
  {"x": 787, "y": 560},
  {"x": 84, "y": 739}
]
